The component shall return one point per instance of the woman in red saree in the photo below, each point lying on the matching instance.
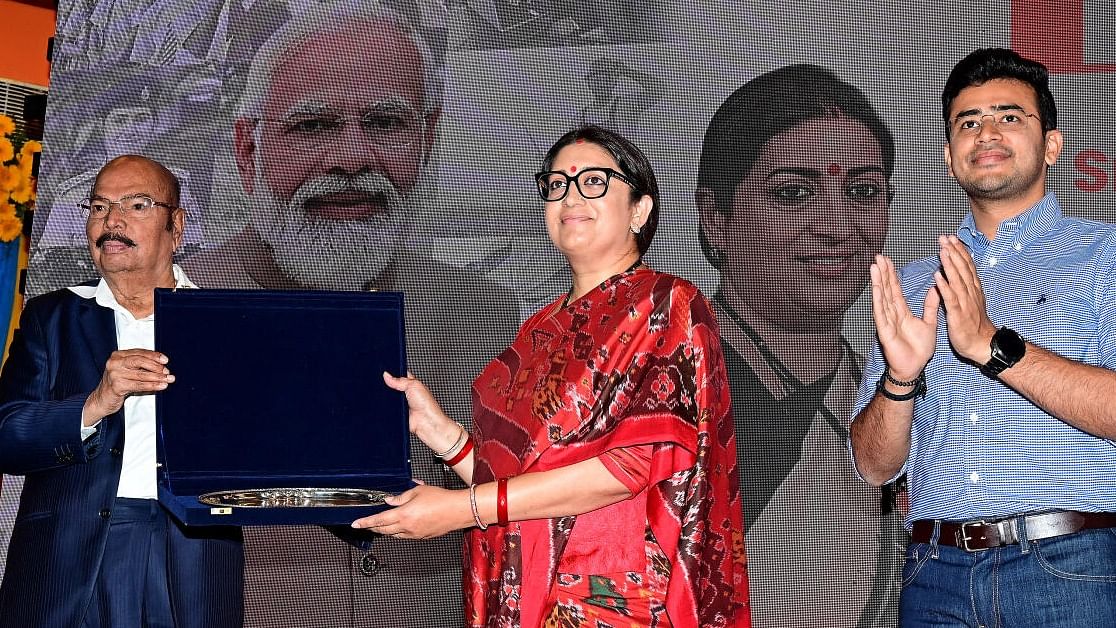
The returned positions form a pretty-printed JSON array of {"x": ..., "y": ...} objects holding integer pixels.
[{"x": 602, "y": 467}]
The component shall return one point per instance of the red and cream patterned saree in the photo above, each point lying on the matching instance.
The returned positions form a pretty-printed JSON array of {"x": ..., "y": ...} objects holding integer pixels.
[{"x": 636, "y": 362}]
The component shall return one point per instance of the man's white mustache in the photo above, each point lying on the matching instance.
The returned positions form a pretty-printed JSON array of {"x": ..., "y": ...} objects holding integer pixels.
[{"x": 372, "y": 184}]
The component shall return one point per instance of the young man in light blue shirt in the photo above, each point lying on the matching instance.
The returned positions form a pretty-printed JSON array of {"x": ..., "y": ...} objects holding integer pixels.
[{"x": 992, "y": 384}]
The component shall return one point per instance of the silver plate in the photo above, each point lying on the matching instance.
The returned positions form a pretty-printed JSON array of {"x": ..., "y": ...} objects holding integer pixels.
[{"x": 295, "y": 498}]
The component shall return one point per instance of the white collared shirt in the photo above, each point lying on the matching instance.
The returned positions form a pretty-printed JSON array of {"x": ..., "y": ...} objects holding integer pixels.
[{"x": 137, "y": 475}]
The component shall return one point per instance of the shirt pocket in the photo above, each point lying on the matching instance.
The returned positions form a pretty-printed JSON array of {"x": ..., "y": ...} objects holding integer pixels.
[{"x": 1061, "y": 320}]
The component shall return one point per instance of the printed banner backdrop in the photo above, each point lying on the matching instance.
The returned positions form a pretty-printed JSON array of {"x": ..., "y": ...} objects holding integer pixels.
[{"x": 446, "y": 107}]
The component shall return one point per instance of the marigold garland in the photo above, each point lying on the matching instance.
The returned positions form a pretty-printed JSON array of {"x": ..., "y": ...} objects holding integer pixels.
[{"x": 17, "y": 185}]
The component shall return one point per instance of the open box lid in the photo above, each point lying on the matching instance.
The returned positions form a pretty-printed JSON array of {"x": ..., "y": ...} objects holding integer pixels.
[{"x": 280, "y": 389}]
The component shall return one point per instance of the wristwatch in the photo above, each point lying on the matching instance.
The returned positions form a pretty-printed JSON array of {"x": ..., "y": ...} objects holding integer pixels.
[{"x": 1007, "y": 349}]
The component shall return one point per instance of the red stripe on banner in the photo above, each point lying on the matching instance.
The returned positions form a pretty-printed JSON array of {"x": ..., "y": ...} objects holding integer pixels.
[{"x": 1053, "y": 33}]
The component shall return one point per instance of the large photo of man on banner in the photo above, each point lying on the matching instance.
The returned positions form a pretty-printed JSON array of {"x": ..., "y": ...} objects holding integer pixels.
[{"x": 333, "y": 138}]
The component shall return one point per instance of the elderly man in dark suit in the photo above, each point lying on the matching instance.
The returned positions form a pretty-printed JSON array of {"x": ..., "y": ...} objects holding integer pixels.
[{"x": 91, "y": 545}]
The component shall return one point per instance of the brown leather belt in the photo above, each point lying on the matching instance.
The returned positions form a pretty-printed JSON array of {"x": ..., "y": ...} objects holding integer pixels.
[{"x": 973, "y": 536}]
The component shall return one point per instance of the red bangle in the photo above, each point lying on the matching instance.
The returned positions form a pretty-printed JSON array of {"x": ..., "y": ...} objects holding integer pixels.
[
  {"x": 459, "y": 456},
  {"x": 502, "y": 501}
]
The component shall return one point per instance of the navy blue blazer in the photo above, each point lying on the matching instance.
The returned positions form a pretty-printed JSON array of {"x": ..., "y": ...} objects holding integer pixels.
[{"x": 56, "y": 360}]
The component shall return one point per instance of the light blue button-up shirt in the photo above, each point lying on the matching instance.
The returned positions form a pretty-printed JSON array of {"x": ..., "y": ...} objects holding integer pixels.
[{"x": 978, "y": 448}]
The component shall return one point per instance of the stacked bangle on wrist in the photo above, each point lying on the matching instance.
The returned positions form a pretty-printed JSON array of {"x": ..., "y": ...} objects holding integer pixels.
[
  {"x": 461, "y": 437},
  {"x": 918, "y": 384},
  {"x": 460, "y": 455},
  {"x": 458, "y": 450},
  {"x": 473, "y": 505},
  {"x": 502, "y": 501}
]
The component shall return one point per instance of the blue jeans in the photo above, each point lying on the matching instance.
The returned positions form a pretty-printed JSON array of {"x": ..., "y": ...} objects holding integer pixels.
[{"x": 1067, "y": 581}]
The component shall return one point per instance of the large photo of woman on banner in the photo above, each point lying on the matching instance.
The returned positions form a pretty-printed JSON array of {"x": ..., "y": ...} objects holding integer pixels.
[{"x": 793, "y": 195}]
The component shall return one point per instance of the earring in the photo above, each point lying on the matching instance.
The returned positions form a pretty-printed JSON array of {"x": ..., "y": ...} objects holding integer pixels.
[
  {"x": 716, "y": 256},
  {"x": 634, "y": 229}
]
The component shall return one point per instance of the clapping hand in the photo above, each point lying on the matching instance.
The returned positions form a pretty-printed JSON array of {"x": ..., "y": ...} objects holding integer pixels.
[
  {"x": 970, "y": 329},
  {"x": 907, "y": 341}
]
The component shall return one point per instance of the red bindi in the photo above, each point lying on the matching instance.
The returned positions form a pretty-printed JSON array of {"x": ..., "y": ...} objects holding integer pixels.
[
  {"x": 833, "y": 170},
  {"x": 573, "y": 169}
]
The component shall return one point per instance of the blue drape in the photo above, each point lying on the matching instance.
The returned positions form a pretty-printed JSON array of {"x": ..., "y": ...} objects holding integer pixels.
[{"x": 9, "y": 275}]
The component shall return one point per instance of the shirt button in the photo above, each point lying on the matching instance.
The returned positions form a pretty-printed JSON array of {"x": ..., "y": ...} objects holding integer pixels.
[
  {"x": 992, "y": 261},
  {"x": 369, "y": 565},
  {"x": 1018, "y": 246},
  {"x": 105, "y": 514},
  {"x": 973, "y": 418},
  {"x": 116, "y": 451},
  {"x": 974, "y": 477}
]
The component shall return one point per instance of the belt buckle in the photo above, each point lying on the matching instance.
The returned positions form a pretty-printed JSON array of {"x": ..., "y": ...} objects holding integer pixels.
[{"x": 963, "y": 537}]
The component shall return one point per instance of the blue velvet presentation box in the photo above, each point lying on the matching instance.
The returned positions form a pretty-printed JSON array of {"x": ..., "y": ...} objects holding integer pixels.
[{"x": 279, "y": 390}]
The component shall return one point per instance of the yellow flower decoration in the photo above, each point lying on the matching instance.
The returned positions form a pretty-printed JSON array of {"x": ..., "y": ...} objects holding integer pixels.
[
  {"x": 10, "y": 176},
  {"x": 25, "y": 166},
  {"x": 23, "y": 192},
  {"x": 17, "y": 186},
  {"x": 10, "y": 227},
  {"x": 30, "y": 147}
]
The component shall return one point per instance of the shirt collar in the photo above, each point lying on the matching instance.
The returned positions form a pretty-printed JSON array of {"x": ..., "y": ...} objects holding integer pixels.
[
  {"x": 1015, "y": 232},
  {"x": 104, "y": 297}
]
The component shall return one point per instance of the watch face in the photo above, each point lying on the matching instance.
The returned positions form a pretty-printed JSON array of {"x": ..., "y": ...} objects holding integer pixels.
[{"x": 1009, "y": 345}]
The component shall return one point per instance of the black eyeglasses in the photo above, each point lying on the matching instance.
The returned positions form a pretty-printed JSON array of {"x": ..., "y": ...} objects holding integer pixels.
[{"x": 591, "y": 183}]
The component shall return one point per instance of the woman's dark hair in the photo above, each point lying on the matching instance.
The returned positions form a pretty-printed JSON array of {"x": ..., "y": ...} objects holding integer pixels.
[
  {"x": 987, "y": 64},
  {"x": 768, "y": 105},
  {"x": 633, "y": 164}
]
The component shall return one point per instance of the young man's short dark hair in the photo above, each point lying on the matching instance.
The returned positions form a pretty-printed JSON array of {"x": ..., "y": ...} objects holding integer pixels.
[{"x": 987, "y": 64}]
